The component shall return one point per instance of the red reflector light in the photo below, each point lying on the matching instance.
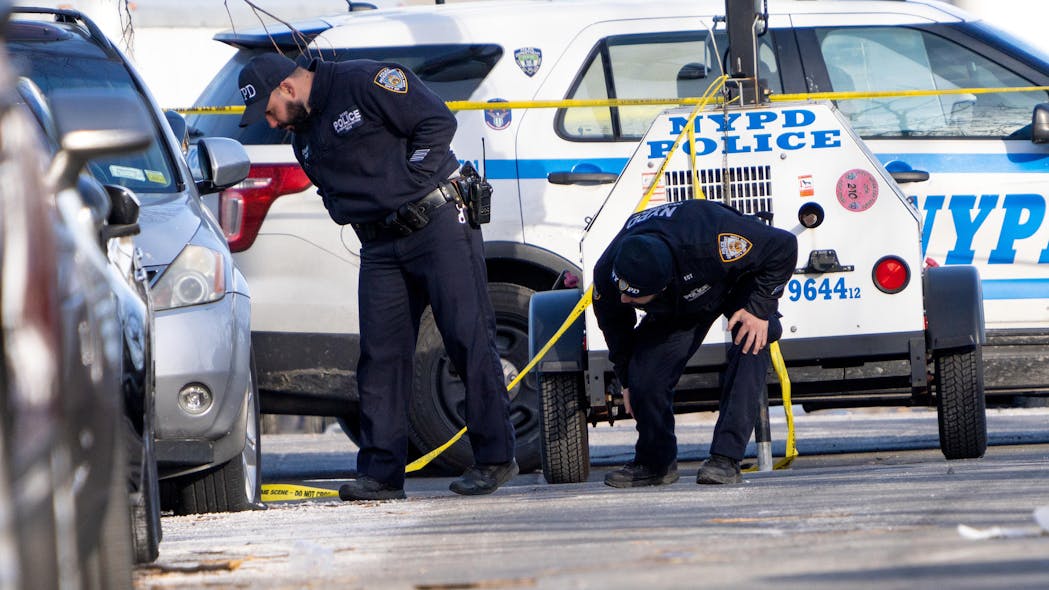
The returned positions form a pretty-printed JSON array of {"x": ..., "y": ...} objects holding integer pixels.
[
  {"x": 891, "y": 274},
  {"x": 243, "y": 207}
]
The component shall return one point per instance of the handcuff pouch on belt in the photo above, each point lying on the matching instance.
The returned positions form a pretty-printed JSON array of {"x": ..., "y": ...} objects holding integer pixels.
[
  {"x": 476, "y": 194},
  {"x": 408, "y": 218}
]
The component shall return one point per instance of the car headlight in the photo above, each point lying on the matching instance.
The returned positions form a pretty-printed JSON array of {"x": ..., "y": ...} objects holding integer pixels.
[{"x": 197, "y": 276}]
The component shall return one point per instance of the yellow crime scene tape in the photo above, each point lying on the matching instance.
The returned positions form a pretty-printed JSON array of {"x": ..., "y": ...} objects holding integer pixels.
[
  {"x": 282, "y": 492},
  {"x": 465, "y": 105}
]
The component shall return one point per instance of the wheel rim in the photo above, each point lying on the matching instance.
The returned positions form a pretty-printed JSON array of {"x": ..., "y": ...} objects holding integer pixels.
[
  {"x": 249, "y": 456},
  {"x": 511, "y": 341}
]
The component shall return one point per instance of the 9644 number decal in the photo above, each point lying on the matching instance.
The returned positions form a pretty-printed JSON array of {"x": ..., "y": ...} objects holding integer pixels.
[{"x": 813, "y": 289}]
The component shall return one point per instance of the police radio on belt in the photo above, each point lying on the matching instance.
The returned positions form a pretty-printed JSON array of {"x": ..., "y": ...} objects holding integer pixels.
[{"x": 476, "y": 193}]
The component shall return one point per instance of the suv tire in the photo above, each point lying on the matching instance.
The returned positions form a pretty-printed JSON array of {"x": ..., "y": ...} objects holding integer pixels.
[{"x": 437, "y": 408}]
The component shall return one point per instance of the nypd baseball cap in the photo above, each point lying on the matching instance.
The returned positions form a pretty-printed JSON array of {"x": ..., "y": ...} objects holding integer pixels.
[
  {"x": 643, "y": 266},
  {"x": 258, "y": 79}
]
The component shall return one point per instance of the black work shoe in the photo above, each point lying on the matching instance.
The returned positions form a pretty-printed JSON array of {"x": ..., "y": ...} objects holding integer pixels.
[
  {"x": 484, "y": 479},
  {"x": 366, "y": 488},
  {"x": 633, "y": 475},
  {"x": 719, "y": 469}
]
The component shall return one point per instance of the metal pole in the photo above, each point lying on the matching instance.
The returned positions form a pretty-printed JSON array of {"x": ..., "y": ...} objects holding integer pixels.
[
  {"x": 741, "y": 17},
  {"x": 763, "y": 433}
]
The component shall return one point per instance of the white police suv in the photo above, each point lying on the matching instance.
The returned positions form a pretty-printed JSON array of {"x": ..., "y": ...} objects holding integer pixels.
[{"x": 969, "y": 163}]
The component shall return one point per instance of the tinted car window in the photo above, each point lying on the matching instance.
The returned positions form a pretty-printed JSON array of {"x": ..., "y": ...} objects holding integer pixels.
[
  {"x": 661, "y": 65},
  {"x": 453, "y": 72},
  {"x": 146, "y": 172},
  {"x": 897, "y": 58}
]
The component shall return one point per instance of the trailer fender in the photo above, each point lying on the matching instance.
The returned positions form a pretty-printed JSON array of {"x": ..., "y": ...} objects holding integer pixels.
[
  {"x": 954, "y": 307},
  {"x": 546, "y": 312}
]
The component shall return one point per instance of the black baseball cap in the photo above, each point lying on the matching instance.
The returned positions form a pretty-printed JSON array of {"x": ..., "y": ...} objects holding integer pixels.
[
  {"x": 259, "y": 78},
  {"x": 643, "y": 265}
]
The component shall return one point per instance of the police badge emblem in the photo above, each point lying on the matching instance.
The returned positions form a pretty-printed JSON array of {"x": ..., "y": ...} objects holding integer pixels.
[
  {"x": 733, "y": 247},
  {"x": 528, "y": 59},
  {"x": 392, "y": 79},
  {"x": 497, "y": 118}
]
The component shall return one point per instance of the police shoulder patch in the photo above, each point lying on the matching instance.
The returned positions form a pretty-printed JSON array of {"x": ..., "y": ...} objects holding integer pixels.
[
  {"x": 733, "y": 247},
  {"x": 392, "y": 79}
]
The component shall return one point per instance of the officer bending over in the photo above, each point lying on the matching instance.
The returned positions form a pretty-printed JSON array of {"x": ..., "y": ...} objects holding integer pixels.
[
  {"x": 376, "y": 143},
  {"x": 684, "y": 264}
]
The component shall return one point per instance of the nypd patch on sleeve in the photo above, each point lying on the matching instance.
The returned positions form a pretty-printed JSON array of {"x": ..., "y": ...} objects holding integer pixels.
[
  {"x": 392, "y": 79},
  {"x": 733, "y": 247}
]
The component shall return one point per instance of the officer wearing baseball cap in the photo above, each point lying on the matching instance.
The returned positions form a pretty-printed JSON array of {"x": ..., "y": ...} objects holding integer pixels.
[
  {"x": 685, "y": 264},
  {"x": 258, "y": 79},
  {"x": 376, "y": 143}
]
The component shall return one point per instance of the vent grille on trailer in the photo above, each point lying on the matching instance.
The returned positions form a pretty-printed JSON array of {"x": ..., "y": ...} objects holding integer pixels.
[{"x": 749, "y": 187}]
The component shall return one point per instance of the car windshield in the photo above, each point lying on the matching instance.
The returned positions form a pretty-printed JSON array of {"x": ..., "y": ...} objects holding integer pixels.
[
  {"x": 453, "y": 72},
  {"x": 145, "y": 172}
]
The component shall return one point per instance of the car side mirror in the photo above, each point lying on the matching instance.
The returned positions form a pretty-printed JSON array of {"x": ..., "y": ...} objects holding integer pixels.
[
  {"x": 93, "y": 124},
  {"x": 95, "y": 200},
  {"x": 123, "y": 213},
  {"x": 1040, "y": 123},
  {"x": 221, "y": 163}
]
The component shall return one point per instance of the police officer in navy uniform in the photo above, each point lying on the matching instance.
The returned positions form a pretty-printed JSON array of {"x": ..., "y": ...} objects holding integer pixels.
[
  {"x": 684, "y": 264},
  {"x": 376, "y": 143}
]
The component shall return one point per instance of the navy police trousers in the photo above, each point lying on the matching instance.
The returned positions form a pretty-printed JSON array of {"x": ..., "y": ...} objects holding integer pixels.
[
  {"x": 442, "y": 265},
  {"x": 659, "y": 359}
]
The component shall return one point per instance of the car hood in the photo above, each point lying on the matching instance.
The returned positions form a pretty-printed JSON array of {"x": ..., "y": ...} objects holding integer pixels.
[{"x": 168, "y": 222}]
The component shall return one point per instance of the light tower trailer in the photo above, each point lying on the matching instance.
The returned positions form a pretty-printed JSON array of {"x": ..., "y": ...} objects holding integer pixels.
[{"x": 865, "y": 321}]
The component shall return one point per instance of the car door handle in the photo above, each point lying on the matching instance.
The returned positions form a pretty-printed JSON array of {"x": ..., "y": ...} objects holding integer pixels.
[
  {"x": 905, "y": 176},
  {"x": 581, "y": 177}
]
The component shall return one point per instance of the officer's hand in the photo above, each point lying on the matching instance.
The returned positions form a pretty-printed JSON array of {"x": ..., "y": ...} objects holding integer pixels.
[{"x": 753, "y": 331}]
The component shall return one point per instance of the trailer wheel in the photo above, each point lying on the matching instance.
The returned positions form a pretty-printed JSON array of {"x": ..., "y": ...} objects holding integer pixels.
[
  {"x": 961, "y": 407},
  {"x": 562, "y": 419}
]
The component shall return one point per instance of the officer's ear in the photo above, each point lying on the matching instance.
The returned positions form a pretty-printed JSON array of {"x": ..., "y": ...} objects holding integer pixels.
[{"x": 287, "y": 88}]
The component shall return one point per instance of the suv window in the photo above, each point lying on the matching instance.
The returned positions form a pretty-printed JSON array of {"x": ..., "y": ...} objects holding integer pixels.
[
  {"x": 661, "y": 65},
  {"x": 453, "y": 72},
  {"x": 898, "y": 58},
  {"x": 146, "y": 172}
]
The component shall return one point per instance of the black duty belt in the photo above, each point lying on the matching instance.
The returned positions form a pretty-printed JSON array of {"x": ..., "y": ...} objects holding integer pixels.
[{"x": 410, "y": 217}]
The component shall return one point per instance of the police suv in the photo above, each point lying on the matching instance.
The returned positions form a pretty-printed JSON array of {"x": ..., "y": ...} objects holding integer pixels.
[{"x": 971, "y": 165}]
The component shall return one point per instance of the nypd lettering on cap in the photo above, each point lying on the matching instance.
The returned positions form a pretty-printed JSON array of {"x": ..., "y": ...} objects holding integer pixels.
[
  {"x": 733, "y": 247},
  {"x": 528, "y": 59},
  {"x": 248, "y": 92},
  {"x": 625, "y": 287},
  {"x": 392, "y": 79}
]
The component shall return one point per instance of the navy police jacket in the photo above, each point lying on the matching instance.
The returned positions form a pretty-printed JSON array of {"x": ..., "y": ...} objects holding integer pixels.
[
  {"x": 723, "y": 261},
  {"x": 376, "y": 138}
]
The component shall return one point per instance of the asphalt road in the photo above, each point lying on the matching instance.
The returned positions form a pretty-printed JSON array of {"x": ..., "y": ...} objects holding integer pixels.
[{"x": 870, "y": 503}]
